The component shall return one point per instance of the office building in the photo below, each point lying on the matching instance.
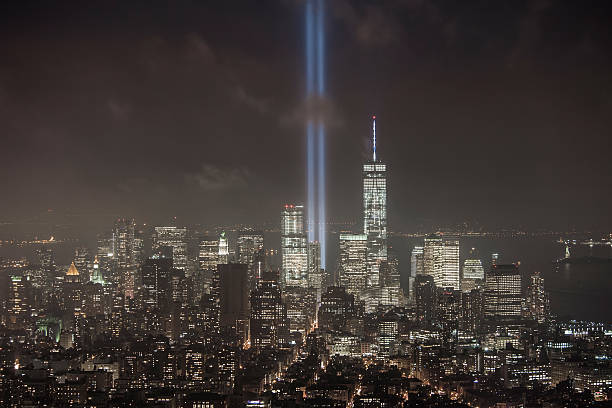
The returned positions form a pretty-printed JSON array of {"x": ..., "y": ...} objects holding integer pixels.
[
  {"x": 502, "y": 292},
  {"x": 432, "y": 257},
  {"x": 233, "y": 292},
  {"x": 250, "y": 251},
  {"x": 449, "y": 277},
  {"x": 269, "y": 324},
  {"x": 19, "y": 302},
  {"x": 174, "y": 238},
  {"x": 155, "y": 275},
  {"x": 417, "y": 267},
  {"x": 223, "y": 249},
  {"x": 375, "y": 212},
  {"x": 537, "y": 299},
  {"x": 337, "y": 308},
  {"x": 294, "y": 250},
  {"x": 315, "y": 273},
  {"x": 301, "y": 306},
  {"x": 472, "y": 266},
  {"x": 123, "y": 243},
  {"x": 352, "y": 263}
]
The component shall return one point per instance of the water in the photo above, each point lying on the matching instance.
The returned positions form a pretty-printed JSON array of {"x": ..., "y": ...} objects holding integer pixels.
[{"x": 577, "y": 291}]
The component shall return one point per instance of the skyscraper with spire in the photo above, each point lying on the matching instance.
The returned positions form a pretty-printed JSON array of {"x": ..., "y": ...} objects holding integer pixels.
[{"x": 375, "y": 211}]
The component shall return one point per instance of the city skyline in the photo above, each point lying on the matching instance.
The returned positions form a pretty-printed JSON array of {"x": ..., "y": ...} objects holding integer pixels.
[{"x": 306, "y": 204}]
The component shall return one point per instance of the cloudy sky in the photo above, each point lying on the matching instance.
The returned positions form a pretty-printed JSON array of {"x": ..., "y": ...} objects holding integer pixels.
[{"x": 495, "y": 112}]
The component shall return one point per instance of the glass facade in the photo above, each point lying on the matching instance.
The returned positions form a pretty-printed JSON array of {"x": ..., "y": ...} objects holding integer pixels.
[
  {"x": 294, "y": 249},
  {"x": 375, "y": 217}
]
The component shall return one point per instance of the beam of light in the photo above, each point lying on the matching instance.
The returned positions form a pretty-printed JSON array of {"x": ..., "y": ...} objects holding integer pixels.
[
  {"x": 321, "y": 192},
  {"x": 310, "y": 136},
  {"x": 309, "y": 50},
  {"x": 315, "y": 126},
  {"x": 320, "y": 49},
  {"x": 374, "y": 137},
  {"x": 310, "y": 132}
]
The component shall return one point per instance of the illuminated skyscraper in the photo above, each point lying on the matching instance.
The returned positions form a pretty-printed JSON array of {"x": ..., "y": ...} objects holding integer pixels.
[
  {"x": 208, "y": 259},
  {"x": 537, "y": 299},
  {"x": 123, "y": 242},
  {"x": 82, "y": 261},
  {"x": 175, "y": 238},
  {"x": 450, "y": 264},
  {"x": 223, "y": 249},
  {"x": 473, "y": 272},
  {"x": 250, "y": 251},
  {"x": 375, "y": 211},
  {"x": 123, "y": 255},
  {"x": 155, "y": 273},
  {"x": 19, "y": 302},
  {"x": 269, "y": 323},
  {"x": 315, "y": 273},
  {"x": 416, "y": 268},
  {"x": 425, "y": 297},
  {"x": 432, "y": 257},
  {"x": 353, "y": 263},
  {"x": 502, "y": 292},
  {"x": 441, "y": 261},
  {"x": 293, "y": 246},
  {"x": 248, "y": 244},
  {"x": 472, "y": 267}
]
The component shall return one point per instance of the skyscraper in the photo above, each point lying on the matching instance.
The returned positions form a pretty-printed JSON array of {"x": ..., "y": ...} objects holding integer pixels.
[
  {"x": 249, "y": 248},
  {"x": 233, "y": 296},
  {"x": 502, "y": 292},
  {"x": 123, "y": 242},
  {"x": 293, "y": 246},
  {"x": 375, "y": 211},
  {"x": 269, "y": 324},
  {"x": 441, "y": 261},
  {"x": 223, "y": 249},
  {"x": 537, "y": 299},
  {"x": 450, "y": 264},
  {"x": 432, "y": 257},
  {"x": 337, "y": 307},
  {"x": 19, "y": 302},
  {"x": 416, "y": 268},
  {"x": 208, "y": 259},
  {"x": 425, "y": 297},
  {"x": 353, "y": 263},
  {"x": 123, "y": 255},
  {"x": 315, "y": 273},
  {"x": 155, "y": 273},
  {"x": 175, "y": 238},
  {"x": 473, "y": 272},
  {"x": 82, "y": 262}
]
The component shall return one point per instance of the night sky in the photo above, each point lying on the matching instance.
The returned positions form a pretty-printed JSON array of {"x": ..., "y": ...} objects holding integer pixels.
[{"x": 497, "y": 112}]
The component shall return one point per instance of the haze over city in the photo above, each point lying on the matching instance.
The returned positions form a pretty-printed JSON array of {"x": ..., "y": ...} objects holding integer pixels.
[
  {"x": 494, "y": 113},
  {"x": 306, "y": 204}
]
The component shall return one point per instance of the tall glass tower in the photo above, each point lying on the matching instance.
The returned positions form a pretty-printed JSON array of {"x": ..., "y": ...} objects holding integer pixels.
[
  {"x": 375, "y": 211},
  {"x": 294, "y": 249}
]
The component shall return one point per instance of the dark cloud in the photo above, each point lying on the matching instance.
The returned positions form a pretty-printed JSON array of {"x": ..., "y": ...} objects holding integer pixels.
[
  {"x": 212, "y": 178},
  {"x": 495, "y": 111}
]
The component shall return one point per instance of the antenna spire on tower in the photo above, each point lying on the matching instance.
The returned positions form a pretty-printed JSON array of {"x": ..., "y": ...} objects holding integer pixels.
[{"x": 374, "y": 137}]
